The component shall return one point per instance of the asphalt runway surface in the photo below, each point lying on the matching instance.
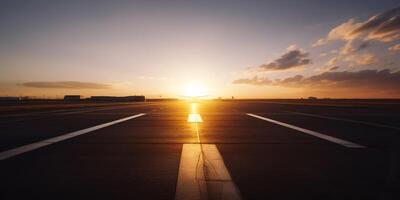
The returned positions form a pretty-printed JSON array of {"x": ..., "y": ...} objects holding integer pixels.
[{"x": 268, "y": 150}]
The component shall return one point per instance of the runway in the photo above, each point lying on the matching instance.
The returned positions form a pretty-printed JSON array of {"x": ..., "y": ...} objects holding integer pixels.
[{"x": 250, "y": 149}]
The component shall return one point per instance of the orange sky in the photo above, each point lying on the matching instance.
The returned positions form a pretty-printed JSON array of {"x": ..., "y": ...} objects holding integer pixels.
[{"x": 271, "y": 49}]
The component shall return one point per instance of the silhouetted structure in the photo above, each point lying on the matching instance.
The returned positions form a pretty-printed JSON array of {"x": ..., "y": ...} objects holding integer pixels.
[
  {"x": 114, "y": 98},
  {"x": 72, "y": 97},
  {"x": 10, "y": 98}
]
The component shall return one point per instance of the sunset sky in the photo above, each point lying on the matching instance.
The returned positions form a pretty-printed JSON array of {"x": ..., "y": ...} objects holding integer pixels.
[{"x": 246, "y": 49}]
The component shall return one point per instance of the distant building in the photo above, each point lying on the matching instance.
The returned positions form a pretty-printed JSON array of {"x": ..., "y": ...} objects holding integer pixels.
[
  {"x": 72, "y": 97},
  {"x": 118, "y": 99},
  {"x": 312, "y": 98},
  {"x": 10, "y": 98},
  {"x": 24, "y": 98}
]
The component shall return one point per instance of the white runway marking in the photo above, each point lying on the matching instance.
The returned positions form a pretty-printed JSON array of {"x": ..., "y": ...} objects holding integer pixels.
[
  {"x": 348, "y": 120},
  {"x": 203, "y": 175},
  {"x": 30, "y": 147},
  {"x": 313, "y": 133}
]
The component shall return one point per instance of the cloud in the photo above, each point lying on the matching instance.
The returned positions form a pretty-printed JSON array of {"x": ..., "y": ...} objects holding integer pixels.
[
  {"x": 66, "y": 85},
  {"x": 327, "y": 68},
  {"x": 364, "y": 79},
  {"x": 358, "y": 35},
  {"x": 364, "y": 45},
  {"x": 323, "y": 54},
  {"x": 352, "y": 47},
  {"x": 341, "y": 32},
  {"x": 360, "y": 59},
  {"x": 254, "y": 81},
  {"x": 384, "y": 27},
  {"x": 293, "y": 57},
  {"x": 394, "y": 48},
  {"x": 333, "y": 61},
  {"x": 348, "y": 54},
  {"x": 320, "y": 42},
  {"x": 334, "y": 68},
  {"x": 348, "y": 48},
  {"x": 289, "y": 82}
]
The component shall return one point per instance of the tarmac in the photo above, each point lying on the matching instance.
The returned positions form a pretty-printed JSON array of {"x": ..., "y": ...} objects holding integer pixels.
[{"x": 250, "y": 149}]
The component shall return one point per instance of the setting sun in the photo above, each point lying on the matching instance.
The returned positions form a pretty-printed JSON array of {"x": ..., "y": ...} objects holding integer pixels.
[
  {"x": 195, "y": 89},
  {"x": 200, "y": 100}
]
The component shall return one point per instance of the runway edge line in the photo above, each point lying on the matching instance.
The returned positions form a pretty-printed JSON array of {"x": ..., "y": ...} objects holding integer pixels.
[
  {"x": 310, "y": 132},
  {"x": 36, "y": 145}
]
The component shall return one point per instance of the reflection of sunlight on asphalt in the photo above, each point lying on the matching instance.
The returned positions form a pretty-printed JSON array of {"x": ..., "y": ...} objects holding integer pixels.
[
  {"x": 205, "y": 165},
  {"x": 193, "y": 108},
  {"x": 194, "y": 117}
]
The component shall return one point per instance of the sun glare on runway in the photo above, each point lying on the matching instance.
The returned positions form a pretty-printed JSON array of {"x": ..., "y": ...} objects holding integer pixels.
[
  {"x": 193, "y": 108},
  {"x": 194, "y": 116}
]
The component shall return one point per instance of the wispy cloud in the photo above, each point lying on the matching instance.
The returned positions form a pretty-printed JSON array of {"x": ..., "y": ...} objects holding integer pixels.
[
  {"x": 352, "y": 59},
  {"x": 66, "y": 85},
  {"x": 384, "y": 27},
  {"x": 327, "y": 69},
  {"x": 394, "y": 48},
  {"x": 341, "y": 32},
  {"x": 334, "y": 68},
  {"x": 360, "y": 59},
  {"x": 359, "y": 35},
  {"x": 253, "y": 81}
]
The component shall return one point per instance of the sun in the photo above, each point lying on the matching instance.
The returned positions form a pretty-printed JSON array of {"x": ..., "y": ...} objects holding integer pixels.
[{"x": 195, "y": 89}]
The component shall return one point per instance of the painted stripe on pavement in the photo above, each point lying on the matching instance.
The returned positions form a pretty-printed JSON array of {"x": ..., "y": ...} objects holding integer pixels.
[
  {"x": 203, "y": 175},
  {"x": 30, "y": 147},
  {"x": 313, "y": 133}
]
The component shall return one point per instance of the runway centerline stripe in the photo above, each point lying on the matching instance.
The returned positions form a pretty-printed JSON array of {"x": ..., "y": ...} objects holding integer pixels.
[
  {"x": 30, "y": 147},
  {"x": 310, "y": 132},
  {"x": 203, "y": 175}
]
